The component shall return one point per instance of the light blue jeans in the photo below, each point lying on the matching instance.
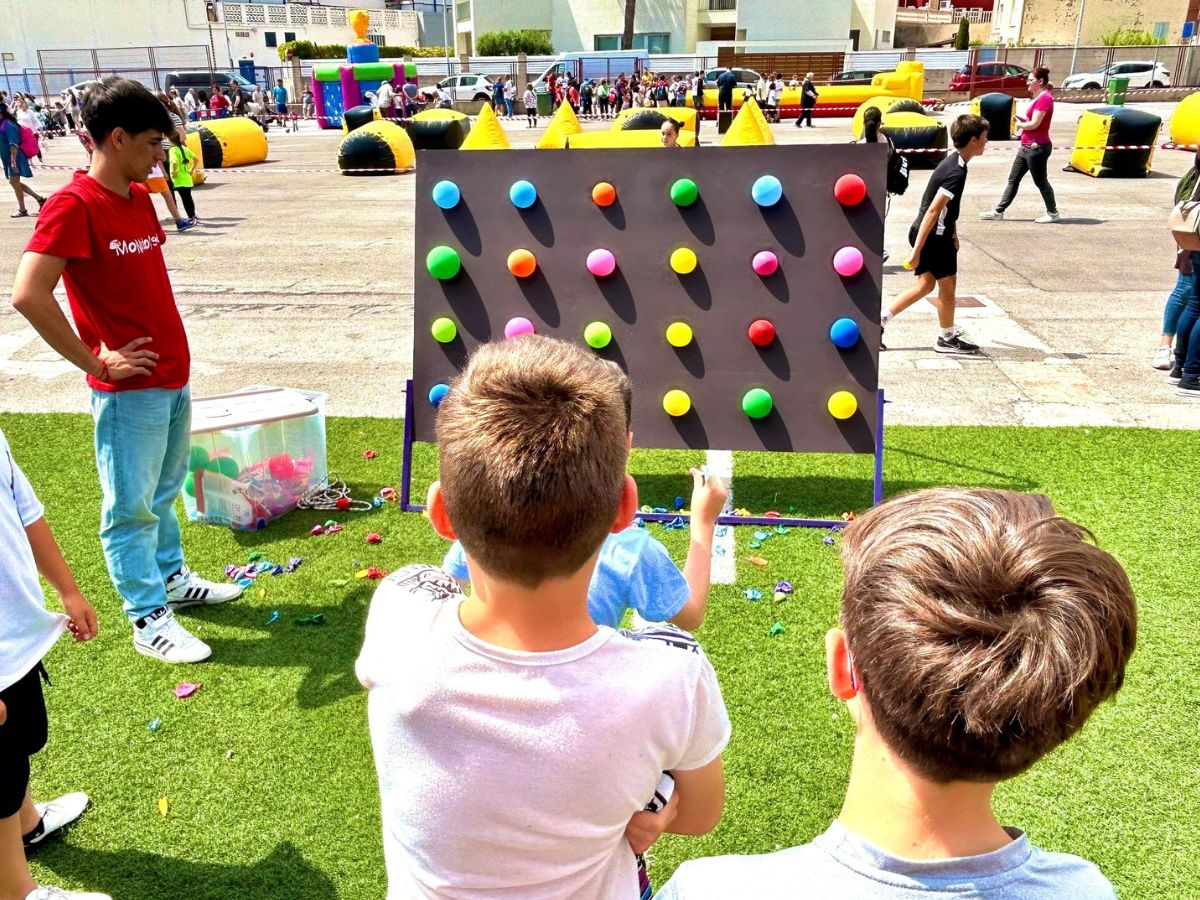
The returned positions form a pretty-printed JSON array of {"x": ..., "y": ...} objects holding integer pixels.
[
  {"x": 142, "y": 440},
  {"x": 1185, "y": 287}
]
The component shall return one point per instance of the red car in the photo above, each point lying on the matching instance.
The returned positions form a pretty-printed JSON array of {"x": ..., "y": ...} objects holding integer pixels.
[{"x": 993, "y": 76}]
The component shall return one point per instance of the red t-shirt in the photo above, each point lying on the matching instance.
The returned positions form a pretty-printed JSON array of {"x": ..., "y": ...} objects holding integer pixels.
[
  {"x": 1041, "y": 135},
  {"x": 116, "y": 279}
]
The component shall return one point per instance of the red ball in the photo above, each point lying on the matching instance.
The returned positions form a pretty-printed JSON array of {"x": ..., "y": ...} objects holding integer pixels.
[
  {"x": 343, "y": 503},
  {"x": 761, "y": 333},
  {"x": 850, "y": 190}
]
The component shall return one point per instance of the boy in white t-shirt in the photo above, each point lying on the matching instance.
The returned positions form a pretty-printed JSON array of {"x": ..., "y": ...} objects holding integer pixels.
[
  {"x": 517, "y": 741},
  {"x": 27, "y": 632}
]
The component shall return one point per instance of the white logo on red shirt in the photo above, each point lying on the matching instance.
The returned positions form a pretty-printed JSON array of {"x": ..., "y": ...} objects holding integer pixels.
[{"x": 138, "y": 245}]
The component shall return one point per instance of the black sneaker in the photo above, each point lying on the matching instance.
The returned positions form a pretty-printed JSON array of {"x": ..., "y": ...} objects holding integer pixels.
[
  {"x": 1189, "y": 387},
  {"x": 1175, "y": 374},
  {"x": 956, "y": 343}
]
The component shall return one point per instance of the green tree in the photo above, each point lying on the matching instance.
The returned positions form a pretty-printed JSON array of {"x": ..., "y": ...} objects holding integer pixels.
[
  {"x": 962, "y": 40},
  {"x": 533, "y": 41},
  {"x": 1130, "y": 37}
]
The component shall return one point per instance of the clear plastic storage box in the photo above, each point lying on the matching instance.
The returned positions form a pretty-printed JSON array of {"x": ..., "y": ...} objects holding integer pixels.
[{"x": 254, "y": 454}]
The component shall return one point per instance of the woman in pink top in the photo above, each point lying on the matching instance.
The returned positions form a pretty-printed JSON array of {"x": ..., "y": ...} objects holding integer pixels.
[{"x": 1035, "y": 149}]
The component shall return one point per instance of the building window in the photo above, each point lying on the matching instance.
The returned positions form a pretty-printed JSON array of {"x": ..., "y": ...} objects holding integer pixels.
[
  {"x": 269, "y": 37},
  {"x": 462, "y": 11},
  {"x": 1160, "y": 31},
  {"x": 885, "y": 39},
  {"x": 656, "y": 42},
  {"x": 289, "y": 36},
  {"x": 606, "y": 42}
]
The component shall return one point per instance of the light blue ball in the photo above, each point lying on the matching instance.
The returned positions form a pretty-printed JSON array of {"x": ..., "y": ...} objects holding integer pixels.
[
  {"x": 446, "y": 194},
  {"x": 437, "y": 394},
  {"x": 844, "y": 333},
  {"x": 767, "y": 190},
  {"x": 523, "y": 194}
]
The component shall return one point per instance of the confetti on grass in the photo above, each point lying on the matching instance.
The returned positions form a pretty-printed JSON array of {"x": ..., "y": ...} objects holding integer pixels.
[
  {"x": 776, "y": 629},
  {"x": 185, "y": 690}
]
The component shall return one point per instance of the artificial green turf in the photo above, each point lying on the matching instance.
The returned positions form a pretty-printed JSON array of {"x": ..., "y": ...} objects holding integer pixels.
[{"x": 268, "y": 768}]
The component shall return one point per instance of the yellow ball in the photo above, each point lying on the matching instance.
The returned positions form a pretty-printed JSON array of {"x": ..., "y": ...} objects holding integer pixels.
[
  {"x": 683, "y": 260},
  {"x": 679, "y": 334},
  {"x": 842, "y": 405},
  {"x": 676, "y": 402}
]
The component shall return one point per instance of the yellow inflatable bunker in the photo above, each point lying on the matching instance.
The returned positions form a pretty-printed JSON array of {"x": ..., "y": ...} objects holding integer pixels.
[
  {"x": 599, "y": 140},
  {"x": 1185, "y": 121},
  {"x": 564, "y": 125},
  {"x": 1108, "y": 126},
  {"x": 225, "y": 143},
  {"x": 684, "y": 115},
  {"x": 749, "y": 128},
  {"x": 885, "y": 105},
  {"x": 917, "y": 131},
  {"x": 487, "y": 133},
  {"x": 378, "y": 148}
]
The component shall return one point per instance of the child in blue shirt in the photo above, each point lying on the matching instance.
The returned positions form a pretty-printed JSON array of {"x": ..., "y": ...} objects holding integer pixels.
[{"x": 636, "y": 572}]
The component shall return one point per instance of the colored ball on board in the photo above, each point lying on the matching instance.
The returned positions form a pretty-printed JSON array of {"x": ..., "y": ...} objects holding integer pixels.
[
  {"x": 676, "y": 402},
  {"x": 844, "y": 333},
  {"x": 757, "y": 403},
  {"x": 766, "y": 190},
  {"x": 225, "y": 465},
  {"x": 189, "y": 484},
  {"x": 597, "y": 335},
  {"x": 683, "y": 261},
  {"x": 684, "y": 192},
  {"x": 842, "y": 404},
  {"x": 522, "y": 194},
  {"x": 517, "y": 326},
  {"x": 765, "y": 263},
  {"x": 761, "y": 333},
  {"x": 601, "y": 262},
  {"x": 850, "y": 190},
  {"x": 437, "y": 394},
  {"x": 848, "y": 261},
  {"x": 522, "y": 263},
  {"x": 604, "y": 194},
  {"x": 446, "y": 194},
  {"x": 197, "y": 457},
  {"x": 443, "y": 330},
  {"x": 443, "y": 262},
  {"x": 679, "y": 334}
]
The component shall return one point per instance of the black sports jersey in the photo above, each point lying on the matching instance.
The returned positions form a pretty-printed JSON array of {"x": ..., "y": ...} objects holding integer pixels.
[{"x": 950, "y": 179}]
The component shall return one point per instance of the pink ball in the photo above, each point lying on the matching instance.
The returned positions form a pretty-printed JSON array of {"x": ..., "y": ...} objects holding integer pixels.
[
  {"x": 848, "y": 261},
  {"x": 601, "y": 263},
  {"x": 765, "y": 263},
  {"x": 518, "y": 326}
]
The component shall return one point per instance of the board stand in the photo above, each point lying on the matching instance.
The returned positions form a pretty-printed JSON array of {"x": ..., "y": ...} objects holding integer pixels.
[{"x": 407, "y": 505}]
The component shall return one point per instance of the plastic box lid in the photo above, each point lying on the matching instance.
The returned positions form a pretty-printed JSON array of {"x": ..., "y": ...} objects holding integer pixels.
[{"x": 228, "y": 411}]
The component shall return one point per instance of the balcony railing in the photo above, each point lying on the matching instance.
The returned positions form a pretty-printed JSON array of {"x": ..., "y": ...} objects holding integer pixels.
[{"x": 720, "y": 5}]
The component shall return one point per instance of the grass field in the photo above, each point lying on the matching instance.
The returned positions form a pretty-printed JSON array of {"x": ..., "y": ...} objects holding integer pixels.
[{"x": 268, "y": 770}]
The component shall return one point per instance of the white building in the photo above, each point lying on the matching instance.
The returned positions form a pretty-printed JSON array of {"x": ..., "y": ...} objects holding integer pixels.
[
  {"x": 687, "y": 26},
  {"x": 242, "y": 30}
]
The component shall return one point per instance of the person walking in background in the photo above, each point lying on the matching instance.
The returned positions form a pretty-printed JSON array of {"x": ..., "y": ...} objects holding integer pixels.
[
  {"x": 619, "y": 88},
  {"x": 280, "y": 95},
  {"x": 510, "y": 95},
  {"x": 498, "y": 97},
  {"x": 726, "y": 82},
  {"x": 698, "y": 98},
  {"x": 386, "y": 98},
  {"x": 808, "y": 100},
  {"x": 190, "y": 104},
  {"x": 71, "y": 107},
  {"x": 31, "y": 128},
  {"x": 1035, "y": 151},
  {"x": 180, "y": 162},
  {"x": 159, "y": 181},
  {"x": 307, "y": 106},
  {"x": 529, "y": 99},
  {"x": 16, "y": 162}
]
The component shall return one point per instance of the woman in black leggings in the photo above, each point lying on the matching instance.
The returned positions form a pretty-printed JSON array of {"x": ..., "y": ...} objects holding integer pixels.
[{"x": 1035, "y": 150}]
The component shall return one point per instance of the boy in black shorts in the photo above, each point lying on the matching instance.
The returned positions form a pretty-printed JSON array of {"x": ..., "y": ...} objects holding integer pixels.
[
  {"x": 934, "y": 235},
  {"x": 27, "y": 631}
]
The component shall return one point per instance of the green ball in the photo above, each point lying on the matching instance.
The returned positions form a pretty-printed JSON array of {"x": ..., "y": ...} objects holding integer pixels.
[
  {"x": 189, "y": 485},
  {"x": 197, "y": 458},
  {"x": 597, "y": 335},
  {"x": 757, "y": 403},
  {"x": 443, "y": 262},
  {"x": 224, "y": 465},
  {"x": 444, "y": 330},
  {"x": 684, "y": 192}
]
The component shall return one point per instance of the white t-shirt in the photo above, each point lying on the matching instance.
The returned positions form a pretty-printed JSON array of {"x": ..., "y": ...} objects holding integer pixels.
[
  {"x": 510, "y": 774},
  {"x": 386, "y": 96},
  {"x": 530, "y": 101},
  {"x": 27, "y": 629},
  {"x": 510, "y": 89}
]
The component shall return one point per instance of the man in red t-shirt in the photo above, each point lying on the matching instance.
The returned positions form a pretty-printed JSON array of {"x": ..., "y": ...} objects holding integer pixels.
[{"x": 100, "y": 235}]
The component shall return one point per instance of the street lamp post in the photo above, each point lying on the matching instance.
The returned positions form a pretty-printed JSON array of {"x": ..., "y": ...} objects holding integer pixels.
[
  {"x": 1078, "y": 32},
  {"x": 446, "y": 35},
  {"x": 225, "y": 24}
]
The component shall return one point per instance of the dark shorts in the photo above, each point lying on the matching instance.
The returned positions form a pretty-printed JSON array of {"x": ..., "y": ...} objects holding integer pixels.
[
  {"x": 22, "y": 735},
  {"x": 281, "y": 108},
  {"x": 938, "y": 257}
]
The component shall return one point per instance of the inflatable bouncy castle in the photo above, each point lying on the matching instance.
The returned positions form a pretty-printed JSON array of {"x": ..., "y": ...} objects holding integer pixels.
[{"x": 339, "y": 86}]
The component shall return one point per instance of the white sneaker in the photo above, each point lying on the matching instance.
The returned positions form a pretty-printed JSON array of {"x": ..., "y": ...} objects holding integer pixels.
[
  {"x": 58, "y": 814},
  {"x": 52, "y": 893},
  {"x": 1047, "y": 219},
  {"x": 186, "y": 588},
  {"x": 1164, "y": 358},
  {"x": 161, "y": 636},
  {"x": 991, "y": 215}
]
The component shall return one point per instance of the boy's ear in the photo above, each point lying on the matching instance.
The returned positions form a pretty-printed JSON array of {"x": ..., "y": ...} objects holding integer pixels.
[
  {"x": 629, "y": 505},
  {"x": 435, "y": 508},
  {"x": 839, "y": 665}
]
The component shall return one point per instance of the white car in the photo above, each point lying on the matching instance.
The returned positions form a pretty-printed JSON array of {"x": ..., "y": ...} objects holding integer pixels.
[
  {"x": 1141, "y": 74},
  {"x": 465, "y": 87}
]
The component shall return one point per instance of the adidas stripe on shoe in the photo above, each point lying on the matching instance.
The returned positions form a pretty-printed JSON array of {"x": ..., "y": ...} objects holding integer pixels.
[
  {"x": 159, "y": 635},
  {"x": 186, "y": 588}
]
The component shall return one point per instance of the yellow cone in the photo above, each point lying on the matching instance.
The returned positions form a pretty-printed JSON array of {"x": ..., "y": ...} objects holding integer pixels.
[
  {"x": 563, "y": 125},
  {"x": 486, "y": 133},
  {"x": 749, "y": 128}
]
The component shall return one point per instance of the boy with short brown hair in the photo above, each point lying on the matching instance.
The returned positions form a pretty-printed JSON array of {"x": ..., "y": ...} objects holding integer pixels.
[
  {"x": 979, "y": 632},
  {"x": 515, "y": 739}
]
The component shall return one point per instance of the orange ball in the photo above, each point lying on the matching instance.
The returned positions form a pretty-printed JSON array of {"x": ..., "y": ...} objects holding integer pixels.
[
  {"x": 604, "y": 194},
  {"x": 521, "y": 263}
]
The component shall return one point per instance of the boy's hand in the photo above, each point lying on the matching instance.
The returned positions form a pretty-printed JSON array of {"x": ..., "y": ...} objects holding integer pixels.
[
  {"x": 83, "y": 625},
  {"x": 646, "y": 827},
  {"x": 708, "y": 498}
]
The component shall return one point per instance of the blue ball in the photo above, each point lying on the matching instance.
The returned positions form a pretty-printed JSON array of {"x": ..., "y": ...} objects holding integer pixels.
[
  {"x": 766, "y": 190},
  {"x": 523, "y": 194},
  {"x": 437, "y": 394},
  {"x": 446, "y": 194},
  {"x": 844, "y": 333}
]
